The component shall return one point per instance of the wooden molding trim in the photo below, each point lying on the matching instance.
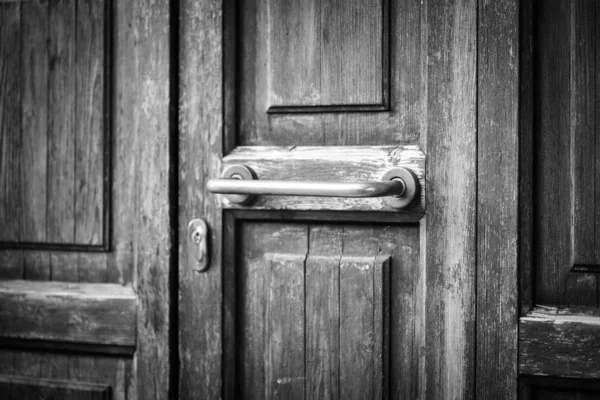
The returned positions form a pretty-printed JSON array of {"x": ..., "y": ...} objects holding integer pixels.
[
  {"x": 18, "y": 386},
  {"x": 560, "y": 342},
  {"x": 102, "y": 315}
]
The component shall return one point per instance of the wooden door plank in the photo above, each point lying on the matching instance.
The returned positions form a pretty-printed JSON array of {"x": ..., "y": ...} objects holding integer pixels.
[
  {"x": 61, "y": 125},
  {"x": 449, "y": 236},
  {"x": 294, "y": 35},
  {"x": 582, "y": 100},
  {"x": 285, "y": 340},
  {"x": 322, "y": 312},
  {"x": 497, "y": 193},
  {"x": 200, "y": 72},
  {"x": 89, "y": 128},
  {"x": 11, "y": 190},
  {"x": 322, "y": 327},
  {"x": 362, "y": 327},
  {"x": 120, "y": 262},
  {"x": 34, "y": 77},
  {"x": 154, "y": 174},
  {"x": 352, "y": 45}
]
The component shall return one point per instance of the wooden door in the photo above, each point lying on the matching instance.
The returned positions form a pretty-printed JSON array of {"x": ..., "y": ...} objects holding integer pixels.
[
  {"x": 310, "y": 297},
  {"x": 559, "y": 354},
  {"x": 84, "y": 200}
]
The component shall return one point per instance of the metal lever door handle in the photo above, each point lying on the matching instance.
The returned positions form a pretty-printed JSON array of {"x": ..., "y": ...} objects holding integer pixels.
[{"x": 399, "y": 186}]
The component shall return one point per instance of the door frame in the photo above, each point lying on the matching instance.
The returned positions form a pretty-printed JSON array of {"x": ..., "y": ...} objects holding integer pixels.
[{"x": 473, "y": 70}]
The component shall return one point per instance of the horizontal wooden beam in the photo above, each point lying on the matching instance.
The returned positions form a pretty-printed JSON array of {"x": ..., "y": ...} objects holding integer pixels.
[
  {"x": 560, "y": 342},
  {"x": 100, "y": 315},
  {"x": 348, "y": 164}
]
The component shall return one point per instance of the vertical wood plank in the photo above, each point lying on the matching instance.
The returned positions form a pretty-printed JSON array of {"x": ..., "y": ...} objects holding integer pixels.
[
  {"x": 451, "y": 189},
  {"x": 526, "y": 156},
  {"x": 152, "y": 203},
  {"x": 11, "y": 187},
  {"x": 61, "y": 136},
  {"x": 323, "y": 313},
  {"x": 89, "y": 129},
  {"x": 34, "y": 78},
  {"x": 597, "y": 147},
  {"x": 120, "y": 261},
  {"x": 582, "y": 130},
  {"x": 361, "y": 328},
  {"x": 285, "y": 327},
  {"x": 497, "y": 193},
  {"x": 351, "y": 47},
  {"x": 295, "y": 34},
  {"x": 200, "y": 58},
  {"x": 61, "y": 122}
]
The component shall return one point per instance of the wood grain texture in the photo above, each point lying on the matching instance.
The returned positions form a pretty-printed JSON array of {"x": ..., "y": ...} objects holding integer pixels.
[
  {"x": 362, "y": 315},
  {"x": 347, "y": 331},
  {"x": 560, "y": 342},
  {"x": 292, "y": 32},
  {"x": 354, "y": 37},
  {"x": 497, "y": 194},
  {"x": 582, "y": 131},
  {"x": 11, "y": 194},
  {"x": 34, "y": 115},
  {"x": 322, "y": 317},
  {"x": 61, "y": 123},
  {"x": 89, "y": 127},
  {"x": 152, "y": 202},
  {"x": 526, "y": 157},
  {"x": 451, "y": 198},
  {"x": 285, "y": 310},
  {"x": 70, "y": 370},
  {"x": 58, "y": 164},
  {"x": 15, "y": 388},
  {"x": 200, "y": 57},
  {"x": 564, "y": 157},
  {"x": 324, "y": 55},
  {"x": 337, "y": 164},
  {"x": 81, "y": 313}
]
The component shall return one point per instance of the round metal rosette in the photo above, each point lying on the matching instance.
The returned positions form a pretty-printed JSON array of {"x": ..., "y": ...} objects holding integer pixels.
[{"x": 411, "y": 185}]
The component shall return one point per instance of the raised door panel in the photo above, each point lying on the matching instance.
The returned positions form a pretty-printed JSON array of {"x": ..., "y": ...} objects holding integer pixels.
[
  {"x": 560, "y": 179},
  {"x": 316, "y": 308}
]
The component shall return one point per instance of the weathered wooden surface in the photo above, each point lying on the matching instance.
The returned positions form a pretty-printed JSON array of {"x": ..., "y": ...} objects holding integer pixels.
[
  {"x": 319, "y": 54},
  {"x": 361, "y": 62},
  {"x": 346, "y": 301},
  {"x": 55, "y": 173},
  {"x": 200, "y": 144},
  {"x": 526, "y": 162},
  {"x": 69, "y": 370},
  {"x": 560, "y": 342},
  {"x": 15, "y": 388},
  {"x": 329, "y": 164},
  {"x": 497, "y": 194},
  {"x": 450, "y": 232},
  {"x": 101, "y": 314},
  {"x": 10, "y": 121},
  {"x": 153, "y": 176},
  {"x": 284, "y": 326},
  {"x": 566, "y": 154},
  {"x": 65, "y": 145}
]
